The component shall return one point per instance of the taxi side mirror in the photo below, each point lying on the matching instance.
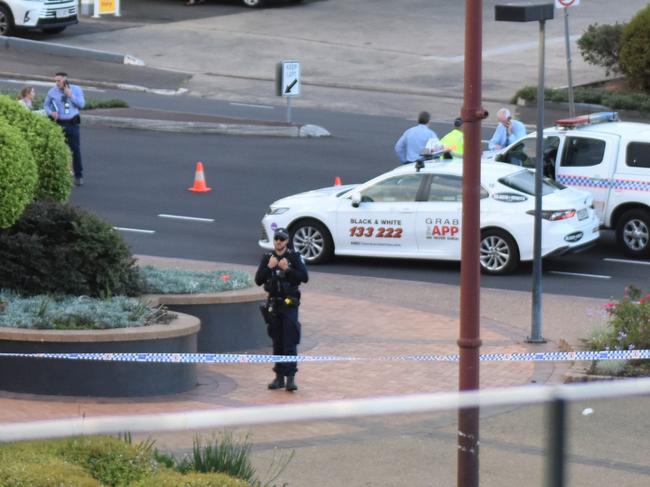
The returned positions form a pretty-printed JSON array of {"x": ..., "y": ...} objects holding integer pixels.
[{"x": 356, "y": 199}]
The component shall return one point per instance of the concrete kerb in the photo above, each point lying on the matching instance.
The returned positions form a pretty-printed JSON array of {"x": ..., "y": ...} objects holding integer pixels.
[{"x": 70, "y": 51}]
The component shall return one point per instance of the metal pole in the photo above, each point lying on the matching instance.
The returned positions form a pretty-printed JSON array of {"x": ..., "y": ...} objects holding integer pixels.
[
  {"x": 469, "y": 341},
  {"x": 288, "y": 109},
  {"x": 536, "y": 331},
  {"x": 572, "y": 107},
  {"x": 556, "y": 476}
]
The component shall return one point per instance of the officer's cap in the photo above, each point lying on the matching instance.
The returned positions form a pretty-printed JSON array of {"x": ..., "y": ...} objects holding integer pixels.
[{"x": 281, "y": 233}]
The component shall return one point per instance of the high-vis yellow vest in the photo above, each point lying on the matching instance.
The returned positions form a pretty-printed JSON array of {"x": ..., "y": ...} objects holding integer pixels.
[{"x": 454, "y": 141}]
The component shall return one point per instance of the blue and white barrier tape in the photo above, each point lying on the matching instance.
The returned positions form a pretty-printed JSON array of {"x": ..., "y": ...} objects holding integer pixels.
[{"x": 213, "y": 358}]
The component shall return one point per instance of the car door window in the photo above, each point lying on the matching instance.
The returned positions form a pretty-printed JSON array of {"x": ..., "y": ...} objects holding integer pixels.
[
  {"x": 638, "y": 154},
  {"x": 402, "y": 188},
  {"x": 524, "y": 153},
  {"x": 583, "y": 152},
  {"x": 445, "y": 188}
]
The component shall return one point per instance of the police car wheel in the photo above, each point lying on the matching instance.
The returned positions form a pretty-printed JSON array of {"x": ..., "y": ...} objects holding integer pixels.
[
  {"x": 312, "y": 240},
  {"x": 633, "y": 233},
  {"x": 254, "y": 3},
  {"x": 6, "y": 21},
  {"x": 499, "y": 253}
]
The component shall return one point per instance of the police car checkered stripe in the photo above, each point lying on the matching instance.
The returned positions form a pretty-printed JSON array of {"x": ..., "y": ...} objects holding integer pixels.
[
  {"x": 617, "y": 184},
  {"x": 211, "y": 358}
]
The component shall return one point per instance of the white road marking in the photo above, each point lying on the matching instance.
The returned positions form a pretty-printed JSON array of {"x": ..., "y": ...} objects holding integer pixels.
[
  {"x": 578, "y": 274},
  {"x": 135, "y": 230},
  {"x": 189, "y": 218},
  {"x": 625, "y": 261},
  {"x": 251, "y": 105}
]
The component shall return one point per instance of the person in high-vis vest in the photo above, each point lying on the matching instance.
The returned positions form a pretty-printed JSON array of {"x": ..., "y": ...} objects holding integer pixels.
[{"x": 454, "y": 139}]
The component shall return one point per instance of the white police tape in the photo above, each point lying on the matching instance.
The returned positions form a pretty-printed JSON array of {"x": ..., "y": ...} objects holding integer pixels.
[{"x": 229, "y": 358}]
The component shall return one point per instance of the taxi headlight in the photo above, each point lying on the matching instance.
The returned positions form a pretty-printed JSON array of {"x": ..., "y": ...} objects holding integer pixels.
[
  {"x": 276, "y": 211},
  {"x": 555, "y": 215}
]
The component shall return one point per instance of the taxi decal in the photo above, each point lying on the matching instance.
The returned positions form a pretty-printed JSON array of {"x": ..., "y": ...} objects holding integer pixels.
[
  {"x": 442, "y": 228},
  {"x": 369, "y": 228}
]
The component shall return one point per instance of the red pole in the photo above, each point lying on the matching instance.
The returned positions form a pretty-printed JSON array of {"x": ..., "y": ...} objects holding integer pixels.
[{"x": 469, "y": 342}]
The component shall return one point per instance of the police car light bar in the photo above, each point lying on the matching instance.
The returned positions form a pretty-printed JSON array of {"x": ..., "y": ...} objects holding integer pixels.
[{"x": 594, "y": 118}]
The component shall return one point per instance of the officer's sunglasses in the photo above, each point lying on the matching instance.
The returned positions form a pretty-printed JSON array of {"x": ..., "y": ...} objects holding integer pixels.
[{"x": 279, "y": 238}]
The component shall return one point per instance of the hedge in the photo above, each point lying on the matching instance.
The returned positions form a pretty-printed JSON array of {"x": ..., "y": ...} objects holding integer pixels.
[
  {"x": 48, "y": 147},
  {"x": 18, "y": 177}
]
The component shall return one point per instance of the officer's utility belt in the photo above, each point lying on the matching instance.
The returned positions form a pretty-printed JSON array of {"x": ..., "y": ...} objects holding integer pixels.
[
  {"x": 76, "y": 120},
  {"x": 286, "y": 301}
]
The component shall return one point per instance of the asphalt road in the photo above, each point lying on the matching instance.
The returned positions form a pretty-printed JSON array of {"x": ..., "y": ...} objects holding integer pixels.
[{"x": 133, "y": 177}]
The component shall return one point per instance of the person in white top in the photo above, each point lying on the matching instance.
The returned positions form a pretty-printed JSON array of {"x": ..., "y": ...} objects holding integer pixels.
[{"x": 26, "y": 97}]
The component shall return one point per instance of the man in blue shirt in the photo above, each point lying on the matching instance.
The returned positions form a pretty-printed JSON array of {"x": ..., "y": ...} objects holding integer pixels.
[
  {"x": 410, "y": 145},
  {"x": 62, "y": 104},
  {"x": 507, "y": 132}
]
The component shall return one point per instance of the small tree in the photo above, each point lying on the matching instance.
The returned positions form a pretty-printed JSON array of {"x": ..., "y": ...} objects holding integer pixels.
[
  {"x": 17, "y": 175},
  {"x": 600, "y": 45},
  {"x": 47, "y": 144},
  {"x": 635, "y": 50}
]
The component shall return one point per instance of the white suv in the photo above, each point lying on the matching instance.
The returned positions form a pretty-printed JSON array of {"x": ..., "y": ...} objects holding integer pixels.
[
  {"x": 51, "y": 16},
  {"x": 606, "y": 157}
]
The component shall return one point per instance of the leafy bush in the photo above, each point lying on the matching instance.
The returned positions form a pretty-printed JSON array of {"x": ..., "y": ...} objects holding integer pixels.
[
  {"x": 182, "y": 281},
  {"x": 628, "y": 328},
  {"x": 95, "y": 462},
  {"x": 620, "y": 101},
  {"x": 48, "y": 147},
  {"x": 18, "y": 177},
  {"x": 77, "y": 313},
  {"x": 600, "y": 45},
  {"x": 56, "y": 248},
  {"x": 635, "y": 53}
]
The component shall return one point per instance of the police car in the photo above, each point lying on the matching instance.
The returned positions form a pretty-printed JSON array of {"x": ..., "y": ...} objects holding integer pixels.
[
  {"x": 416, "y": 214},
  {"x": 609, "y": 159}
]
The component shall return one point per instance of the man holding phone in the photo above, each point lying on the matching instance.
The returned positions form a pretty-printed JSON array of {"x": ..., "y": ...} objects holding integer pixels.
[
  {"x": 507, "y": 132},
  {"x": 62, "y": 104}
]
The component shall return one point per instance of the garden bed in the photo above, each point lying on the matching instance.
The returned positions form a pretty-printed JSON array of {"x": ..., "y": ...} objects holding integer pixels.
[{"x": 95, "y": 378}]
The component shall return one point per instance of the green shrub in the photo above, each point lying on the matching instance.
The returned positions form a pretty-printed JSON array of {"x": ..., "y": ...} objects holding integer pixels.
[
  {"x": 600, "y": 45},
  {"x": 18, "y": 176},
  {"x": 635, "y": 49},
  {"x": 183, "y": 281},
  {"x": 619, "y": 101},
  {"x": 95, "y": 462},
  {"x": 56, "y": 248},
  {"x": 77, "y": 313},
  {"x": 47, "y": 143},
  {"x": 92, "y": 104}
]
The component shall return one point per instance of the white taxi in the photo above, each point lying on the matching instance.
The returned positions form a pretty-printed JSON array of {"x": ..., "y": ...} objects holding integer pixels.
[{"x": 416, "y": 214}]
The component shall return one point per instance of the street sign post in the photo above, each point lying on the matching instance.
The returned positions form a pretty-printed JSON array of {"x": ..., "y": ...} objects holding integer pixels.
[
  {"x": 565, "y": 4},
  {"x": 287, "y": 82}
]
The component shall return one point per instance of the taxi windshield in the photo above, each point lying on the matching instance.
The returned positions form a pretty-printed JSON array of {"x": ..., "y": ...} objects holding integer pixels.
[{"x": 524, "y": 181}]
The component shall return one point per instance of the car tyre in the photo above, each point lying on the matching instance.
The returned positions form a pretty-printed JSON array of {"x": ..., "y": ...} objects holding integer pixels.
[
  {"x": 633, "y": 233},
  {"x": 254, "y": 3},
  {"x": 7, "y": 26},
  {"x": 312, "y": 240},
  {"x": 498, "y": 253}
]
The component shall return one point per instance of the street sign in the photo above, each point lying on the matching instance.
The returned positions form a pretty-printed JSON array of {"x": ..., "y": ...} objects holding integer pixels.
[
  {"x": 288, "y": 82},
  {"x": 566, "y": 3}
]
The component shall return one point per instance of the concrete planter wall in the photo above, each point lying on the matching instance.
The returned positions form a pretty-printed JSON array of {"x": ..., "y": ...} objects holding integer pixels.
[
  {"x": 90, "y": 378},
  {"x": 230, "y": 321}
]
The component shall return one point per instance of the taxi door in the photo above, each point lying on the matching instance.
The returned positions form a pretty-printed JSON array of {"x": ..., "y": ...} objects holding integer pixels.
[
  {"x": 384, "y": 221},
  {"x": 588, "y": 163},
  {"x": 438, "y": 219}
]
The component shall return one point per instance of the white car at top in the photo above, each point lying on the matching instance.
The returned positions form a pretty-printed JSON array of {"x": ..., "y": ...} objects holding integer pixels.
[{"x": 406, "y": 213}]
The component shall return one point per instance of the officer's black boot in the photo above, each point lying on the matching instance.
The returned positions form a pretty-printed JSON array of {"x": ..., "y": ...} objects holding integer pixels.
[
  {"x": 278, "y": 382},
  {"x": 291, "y": 385}
]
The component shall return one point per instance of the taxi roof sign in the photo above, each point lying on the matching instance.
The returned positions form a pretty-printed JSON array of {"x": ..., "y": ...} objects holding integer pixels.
[{"x": 594, "y": 118}]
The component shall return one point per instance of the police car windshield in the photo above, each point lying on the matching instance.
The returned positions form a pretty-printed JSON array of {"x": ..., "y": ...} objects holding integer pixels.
[{"x": 524, "y": 181}]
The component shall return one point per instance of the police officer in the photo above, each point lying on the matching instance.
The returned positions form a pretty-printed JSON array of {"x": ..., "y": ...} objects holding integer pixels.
[{"x": 281, "y": 272}]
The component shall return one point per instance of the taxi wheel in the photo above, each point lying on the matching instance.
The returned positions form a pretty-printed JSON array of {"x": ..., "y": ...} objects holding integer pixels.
[
  {"x": 633, "y": 233},
  {"x": 499, "y": 253},
  {"x": 6, "y": 21},
  {"x": 312, "y": 240},
  {"x": 254, "y": 3}
]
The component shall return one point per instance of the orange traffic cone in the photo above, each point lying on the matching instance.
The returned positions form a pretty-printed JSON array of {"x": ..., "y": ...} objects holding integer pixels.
[
  {"x": 199, "y": 180},
  {"x": 337, "y": 181}
]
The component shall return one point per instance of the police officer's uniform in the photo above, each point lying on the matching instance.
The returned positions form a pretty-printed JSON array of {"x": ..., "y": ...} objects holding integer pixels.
[{"x": 282, "y": 308}]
